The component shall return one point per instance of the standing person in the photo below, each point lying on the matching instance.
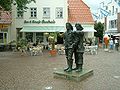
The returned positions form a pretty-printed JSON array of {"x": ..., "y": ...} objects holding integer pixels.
[
  {"x": 111, "y": 44},
  {"x": 116, "y": 44},
  {"x": 69, "y": 44},
  {"x": 79, "y": 49}
]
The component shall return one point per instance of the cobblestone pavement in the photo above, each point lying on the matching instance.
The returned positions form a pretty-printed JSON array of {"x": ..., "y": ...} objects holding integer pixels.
[{"x": 36, "y": 72}]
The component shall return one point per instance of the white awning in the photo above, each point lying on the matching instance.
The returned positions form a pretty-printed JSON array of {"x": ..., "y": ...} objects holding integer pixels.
[
  {"x": 43, "y": 29},
  {"x": 118, "y": 34},
  {"x": 86, "y": 29},
  {"x": 89, "y": 30}
]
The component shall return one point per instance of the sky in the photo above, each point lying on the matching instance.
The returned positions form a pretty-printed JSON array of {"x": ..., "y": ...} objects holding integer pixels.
[{"x": 94, "y": 4}]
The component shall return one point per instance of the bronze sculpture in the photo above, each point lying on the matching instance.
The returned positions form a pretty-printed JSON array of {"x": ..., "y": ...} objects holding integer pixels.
[
  {"x": 79, "y": 48},
  {"x": 69, "y": 43},
  {"x": 73, "y": 42}
]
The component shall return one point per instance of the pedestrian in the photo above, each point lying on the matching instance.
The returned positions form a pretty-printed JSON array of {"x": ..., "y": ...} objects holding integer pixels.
[
  {"x": 116, "y": 43},
  {"x": 111, "y": 44},
  {"x": 69, "y": 44}
]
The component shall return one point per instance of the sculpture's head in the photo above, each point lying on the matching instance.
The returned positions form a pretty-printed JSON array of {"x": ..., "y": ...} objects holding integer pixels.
[
  {"x": 78, "y": 26},
  {"x": 69, "y": 26}
]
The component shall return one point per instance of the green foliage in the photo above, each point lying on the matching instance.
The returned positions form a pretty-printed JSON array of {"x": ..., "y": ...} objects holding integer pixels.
[
  {"x": 22, "y": 43},
  {"x": 21, "y": 4},
  {"x": 99, "y": 27},
  {"x": 12, "y": 42},
  {"x": 51, "y": 38},
  {"x": 6, "y": 4}
]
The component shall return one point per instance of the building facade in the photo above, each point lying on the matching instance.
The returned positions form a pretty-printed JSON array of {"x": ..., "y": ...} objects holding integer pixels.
[
  {"x": 44, "y": 16},
  {"x": 5, "y": 23},
  {"x": 108, "y": 14},
  {"x": 79, "y": 12},
  {"x": 50, "y": 16}
]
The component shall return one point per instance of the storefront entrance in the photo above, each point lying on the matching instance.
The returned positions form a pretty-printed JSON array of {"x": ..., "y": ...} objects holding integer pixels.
[
  {"x": 3, "y": 37},
  {"x": 34, "y": 37}
]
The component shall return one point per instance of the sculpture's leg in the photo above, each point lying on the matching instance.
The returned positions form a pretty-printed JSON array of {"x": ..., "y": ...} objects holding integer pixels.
[
  {"x": 66, "y": 53},
  {"x": 66, "y": 69},
  {"x": 76, "y": 60},
  {"x": 70, "y": 63},
  {"x": 75, "y": 67},
  {"x": 79, "y": 62},
  {"x": 79, "y": 68},
  {"x": 70, "y": 60}
]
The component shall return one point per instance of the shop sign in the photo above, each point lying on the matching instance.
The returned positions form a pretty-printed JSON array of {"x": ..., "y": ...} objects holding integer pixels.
[
  {"x": 3, "y": 26},
  {"x": 38, "y": 21}
]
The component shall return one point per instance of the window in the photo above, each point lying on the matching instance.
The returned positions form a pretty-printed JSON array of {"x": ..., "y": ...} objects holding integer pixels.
[
  {"x": 119, "y": 2},
  {"x": 115, "y": 23},
  {"x": 112, "y": 24},
  {"x": 46, "y": 12},
  {"x": 112, "y": 10},
  {"x": 116, "y": 10},
  {"x": 106, "y": 7},
  {"x": 19, "y": 13},
  {"x": 59, "y": 12},
  {"x": 33, "y": 12},
  {"x": 3, "y": 37}
]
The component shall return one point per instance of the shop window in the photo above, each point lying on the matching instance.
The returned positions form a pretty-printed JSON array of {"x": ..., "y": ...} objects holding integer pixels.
[
  {"x": 29, "y": 36},
  {"x": 33, "y": 12},
  {"x": 3, "y": 37},
  {"x": 39, "y": 37},
  {"x": 59, "y": 12},
  {"x": 46, "y": 12}
]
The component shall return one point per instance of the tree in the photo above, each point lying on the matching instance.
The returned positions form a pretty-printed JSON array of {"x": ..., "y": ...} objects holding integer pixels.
[
  {"x": 99, "y": 27},
  {"x": 21, "y": 4}
]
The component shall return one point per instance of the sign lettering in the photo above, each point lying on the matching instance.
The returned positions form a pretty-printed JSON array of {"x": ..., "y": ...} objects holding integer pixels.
[{"x": 38, "y": 21}]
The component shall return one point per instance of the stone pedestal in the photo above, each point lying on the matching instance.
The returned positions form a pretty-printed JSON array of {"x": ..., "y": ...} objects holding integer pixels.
[{"x": 76, "y": 76}]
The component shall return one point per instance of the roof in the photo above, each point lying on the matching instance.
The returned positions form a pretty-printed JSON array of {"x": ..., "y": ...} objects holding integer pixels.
[
  {"x": 5, "y": 17},
  {"x": 78, "y": 11}
]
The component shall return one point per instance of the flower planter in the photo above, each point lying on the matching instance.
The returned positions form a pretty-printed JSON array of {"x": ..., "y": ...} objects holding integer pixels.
[{"x": 53, "y": 52}]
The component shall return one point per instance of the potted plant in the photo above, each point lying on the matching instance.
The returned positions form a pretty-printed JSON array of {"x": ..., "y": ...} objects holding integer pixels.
[
  {"x": 12, "y": 45},
  {"x": 51, "y": 39}
]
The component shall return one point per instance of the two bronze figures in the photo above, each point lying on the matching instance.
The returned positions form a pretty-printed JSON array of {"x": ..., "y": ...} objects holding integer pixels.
[{"x": 73, "y": 42}]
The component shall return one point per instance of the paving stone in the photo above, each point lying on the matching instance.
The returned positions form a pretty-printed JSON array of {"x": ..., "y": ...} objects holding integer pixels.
[{"x": 36, "y": 72}]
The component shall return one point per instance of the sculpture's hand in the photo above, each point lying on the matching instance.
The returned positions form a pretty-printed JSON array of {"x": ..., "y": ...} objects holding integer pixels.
[{"x": 73, "y": 45}]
